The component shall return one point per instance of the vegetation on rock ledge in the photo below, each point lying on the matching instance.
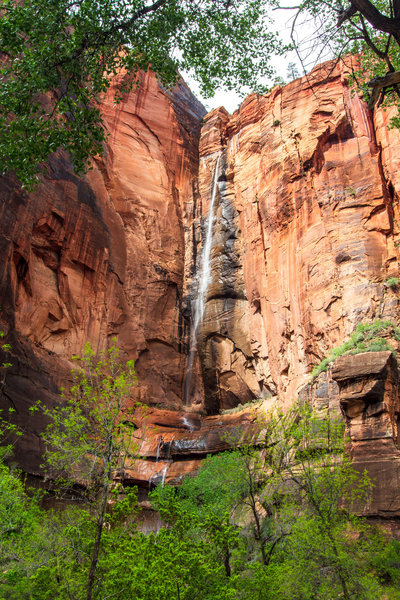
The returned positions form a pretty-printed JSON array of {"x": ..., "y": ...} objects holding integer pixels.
[{"x": 367, "y": 337}]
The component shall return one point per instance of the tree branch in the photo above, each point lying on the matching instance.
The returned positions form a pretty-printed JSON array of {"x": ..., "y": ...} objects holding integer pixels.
[
  {"x": 372, "y": 14},
  {"x": 345, "y": 15},
  {"x": 145, "y": 10},
  {"x": 380, "y": 83},
  {"x": 369, "y": 42}
]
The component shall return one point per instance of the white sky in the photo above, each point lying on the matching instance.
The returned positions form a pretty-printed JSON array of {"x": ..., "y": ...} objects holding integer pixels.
[{"x": 283, "y": 24}]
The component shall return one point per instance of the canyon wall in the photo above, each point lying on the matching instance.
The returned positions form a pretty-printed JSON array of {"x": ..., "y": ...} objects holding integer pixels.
[
  {"x": 369, "y": 398},
  {"x": 100, "y": 257},
  {"x": 304, "y": 237}
]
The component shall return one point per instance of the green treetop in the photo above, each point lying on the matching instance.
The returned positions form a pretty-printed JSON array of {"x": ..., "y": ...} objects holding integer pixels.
[
  {"x": 90, "y": 436},
  {"x": 59, "y": 56}
]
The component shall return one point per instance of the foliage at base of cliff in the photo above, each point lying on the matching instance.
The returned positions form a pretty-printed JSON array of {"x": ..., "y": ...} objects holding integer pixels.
[{"x": 273, "y": 523}]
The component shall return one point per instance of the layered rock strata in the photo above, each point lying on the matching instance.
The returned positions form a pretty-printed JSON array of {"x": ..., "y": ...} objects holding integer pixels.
[
  {"x": 369, "y": 398},
  {"x": 103, "y": 256},
  {"x": 305, "y": 234},
  {"x": 172, "y": 444}
]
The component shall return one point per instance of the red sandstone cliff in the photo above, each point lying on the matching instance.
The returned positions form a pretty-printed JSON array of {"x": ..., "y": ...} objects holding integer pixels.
[
  {"x": 305, "y": 235},
  {"x": 103, "y": 256},
  {"x": 304, "y": 238}
]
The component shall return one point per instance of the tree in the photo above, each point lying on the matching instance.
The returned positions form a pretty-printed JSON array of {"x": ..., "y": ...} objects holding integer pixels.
[
  {"x": 202, "y": 508},
  {"x": 367, "y": 28},
  {"x": 59, "y": 56},
  {"x": 235, "y": 486},
  {"x": 20, "y": 515},
  {"x": 279, "y": 517},
  {"x": 320, "y": 494},
  {"x": 300, "y": 486},
  {"x": 292, "y": 71},
  {"x": 169, "y": 565},
  {"x": 90, "y": 437}
]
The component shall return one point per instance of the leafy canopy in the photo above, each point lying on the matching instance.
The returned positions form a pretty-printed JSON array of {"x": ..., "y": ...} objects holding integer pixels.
[
  {"x": 278, "y": 518},
  {"x": 90, "y": 437},
  {"x": 307, "y": 545},
  {"x": 59, "y": 57}
]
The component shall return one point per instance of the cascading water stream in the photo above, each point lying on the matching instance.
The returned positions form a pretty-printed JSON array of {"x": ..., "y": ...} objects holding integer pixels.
[
  {"x": 162, "y": 447},
  {"x": 203, "y": 281},
  {"x": 164, "y": 472},
  {"x": 158, "y": 449}
]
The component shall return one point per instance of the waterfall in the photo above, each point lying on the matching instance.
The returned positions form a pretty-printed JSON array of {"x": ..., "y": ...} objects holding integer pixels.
[
  {"x": 203, "y": 281},
  {"x": 164, "y": 472},
  {"x": 165, "y": 448},
  {"x": 160, "y": 441}
]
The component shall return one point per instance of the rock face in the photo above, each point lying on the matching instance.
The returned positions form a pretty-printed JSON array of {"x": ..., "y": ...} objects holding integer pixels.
[
  {"x": 305, "y": 234},
  {"x": 369, "y": 398},
  {"x": 172, "y": 444},
  {"x": 89, "y": 259}
]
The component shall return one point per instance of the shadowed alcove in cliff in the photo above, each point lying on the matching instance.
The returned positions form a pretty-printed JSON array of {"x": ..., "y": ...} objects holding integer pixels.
[{"x": 229, "y": 377}]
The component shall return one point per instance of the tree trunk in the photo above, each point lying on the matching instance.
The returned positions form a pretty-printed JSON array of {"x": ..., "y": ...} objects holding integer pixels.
[
  {"x": 227, "y": 564},
  {"x": 96, "y": 548},
  {"x": 376, "y": 18},
  {"x": 258, "y": 532}
]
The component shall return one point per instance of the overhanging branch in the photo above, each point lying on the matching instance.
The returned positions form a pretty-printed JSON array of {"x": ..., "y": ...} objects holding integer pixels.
[
  {"x": 374, "y": 17},
  {"x": 379, "y": 84}
]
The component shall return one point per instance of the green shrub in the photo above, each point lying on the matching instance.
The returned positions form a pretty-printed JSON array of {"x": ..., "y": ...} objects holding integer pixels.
[
  {"x": 392, "y": 282},
  {"x": 351, "y": 191},
  {"x": 384, "y": 563}
]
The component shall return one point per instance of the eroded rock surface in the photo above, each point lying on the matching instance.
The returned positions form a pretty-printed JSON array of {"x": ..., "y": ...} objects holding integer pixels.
[
  {"x": 172, "y": 444},
  {"x": 89, "y": 259},
  {"x": 305, "y": 234},
  {"x": 369, "y": 398}
]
